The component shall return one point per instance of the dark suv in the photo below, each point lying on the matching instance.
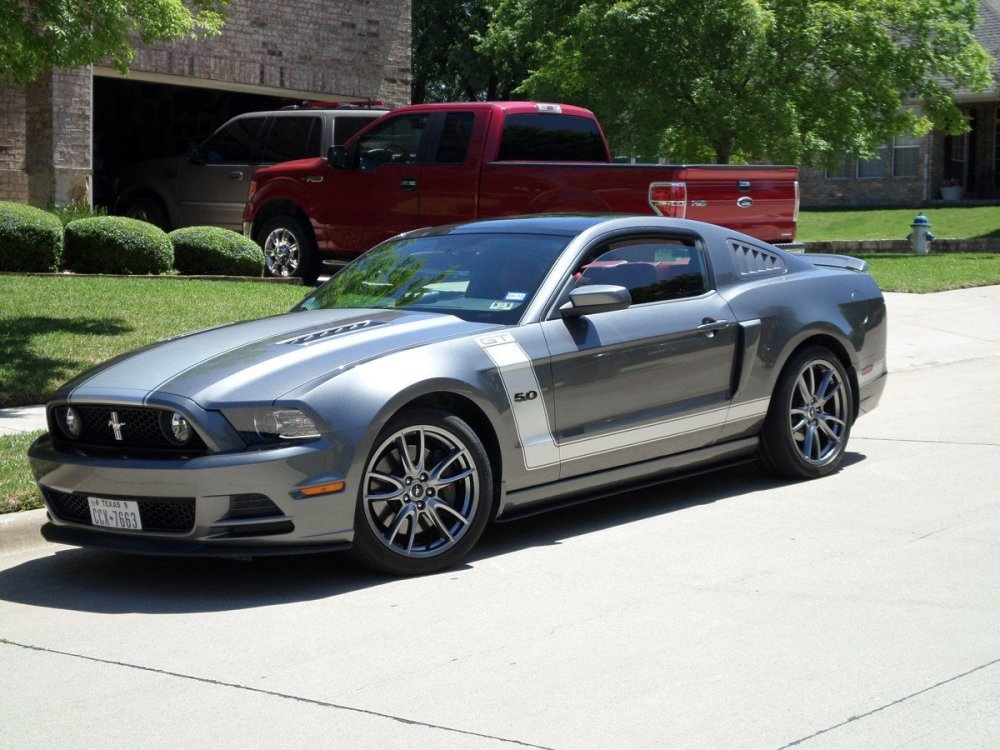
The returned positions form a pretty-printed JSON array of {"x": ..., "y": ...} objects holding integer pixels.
[{"x": 209, "y": 186}]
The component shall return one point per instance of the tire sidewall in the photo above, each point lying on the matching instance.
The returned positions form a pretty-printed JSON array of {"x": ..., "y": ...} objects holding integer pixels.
[{"x": 369, "y": 548}]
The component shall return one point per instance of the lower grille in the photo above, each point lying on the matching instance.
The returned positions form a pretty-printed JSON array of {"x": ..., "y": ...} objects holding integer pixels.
[{"x": 172, "y": 515}]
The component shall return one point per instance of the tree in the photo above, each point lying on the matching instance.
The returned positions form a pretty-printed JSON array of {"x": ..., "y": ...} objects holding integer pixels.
[
  {"x": 798, "y": 81},
  {"x": 447, "y": 62},
  {"x": 39, "y": 34}
]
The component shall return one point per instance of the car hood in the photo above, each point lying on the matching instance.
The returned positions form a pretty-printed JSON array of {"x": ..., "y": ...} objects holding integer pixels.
[{"x": 260, "y": 360}]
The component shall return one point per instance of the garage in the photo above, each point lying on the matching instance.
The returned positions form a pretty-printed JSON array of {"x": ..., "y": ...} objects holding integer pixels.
[{"x": 139, "y": 120}]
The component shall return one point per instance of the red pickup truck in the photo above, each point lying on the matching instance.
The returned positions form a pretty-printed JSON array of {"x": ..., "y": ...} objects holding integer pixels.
[{"x": 432, "y": 164}]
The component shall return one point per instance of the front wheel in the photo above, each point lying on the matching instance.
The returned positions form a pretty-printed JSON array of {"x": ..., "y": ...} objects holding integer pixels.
[
  {"x": 289, "y": 249},
  {"x": 809, "y": 420},
  {"x": 426, "y": 494}
]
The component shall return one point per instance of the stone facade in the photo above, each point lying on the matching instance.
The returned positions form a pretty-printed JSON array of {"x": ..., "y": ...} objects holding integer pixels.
[{"x": 344, "y": 50}]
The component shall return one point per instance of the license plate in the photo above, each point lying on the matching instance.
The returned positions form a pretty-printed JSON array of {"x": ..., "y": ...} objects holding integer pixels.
[{"x": 114, "y": 514}]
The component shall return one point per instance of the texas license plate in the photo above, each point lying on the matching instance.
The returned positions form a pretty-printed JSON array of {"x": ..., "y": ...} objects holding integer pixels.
[{"x": 114, "y": 514}]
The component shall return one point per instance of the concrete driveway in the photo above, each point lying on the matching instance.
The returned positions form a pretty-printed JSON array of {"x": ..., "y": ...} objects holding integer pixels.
[{"x": 861, "y": 610}]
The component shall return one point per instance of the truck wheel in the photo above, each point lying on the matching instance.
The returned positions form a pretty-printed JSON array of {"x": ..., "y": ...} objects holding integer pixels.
[
  {"x": 289, "y": 249},
  {"x": 148, "y": 209}
]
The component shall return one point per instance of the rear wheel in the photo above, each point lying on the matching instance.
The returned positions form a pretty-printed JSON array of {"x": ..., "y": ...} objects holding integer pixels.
[
  {"x": 149, "y": 209},
  {"x": 289, "y": 249},
  {"x": 809, "y": 421},
  {"x": 426, "y": 494}
]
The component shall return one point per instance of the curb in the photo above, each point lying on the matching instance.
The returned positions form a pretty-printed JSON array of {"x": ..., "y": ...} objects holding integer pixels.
[{"x": 20, "y": 532}]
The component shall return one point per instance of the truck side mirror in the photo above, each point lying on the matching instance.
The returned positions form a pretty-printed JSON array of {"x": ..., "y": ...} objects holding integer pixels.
[{"x": 336, "y": 157}]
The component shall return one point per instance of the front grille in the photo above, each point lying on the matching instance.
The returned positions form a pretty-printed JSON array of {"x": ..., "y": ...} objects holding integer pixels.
[
  {"x": 164, "y": 514},
  {"x": 139, "y": 428}
]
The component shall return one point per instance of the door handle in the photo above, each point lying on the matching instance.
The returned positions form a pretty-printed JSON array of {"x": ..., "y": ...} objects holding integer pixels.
[
  {"x": 709, "y": 326},
  {"x": 408, "y": 184},
  {"x": 236, "y": 175}
]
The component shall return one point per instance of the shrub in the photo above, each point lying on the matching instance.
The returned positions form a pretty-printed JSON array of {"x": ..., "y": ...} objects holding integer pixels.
[
  {"x": 30, "y": 239},
  {"x": 211, "y": 250},
  {"x": 115, "y": 244}
]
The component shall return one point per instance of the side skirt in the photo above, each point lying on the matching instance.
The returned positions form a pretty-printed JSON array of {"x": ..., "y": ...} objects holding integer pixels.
[{"x": 565, "y": 492}]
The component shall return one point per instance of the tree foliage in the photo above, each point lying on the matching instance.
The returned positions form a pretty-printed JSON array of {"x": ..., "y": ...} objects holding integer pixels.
[
  {"x": 797, "y": 81},
  {"x": 448, "y": 61},
  {"x": 39, "y": 34}
]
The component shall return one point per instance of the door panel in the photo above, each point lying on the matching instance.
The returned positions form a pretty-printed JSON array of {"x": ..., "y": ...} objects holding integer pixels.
[
  {"x": 213, "y": 189},
  {"x": 635, "y": 384}
]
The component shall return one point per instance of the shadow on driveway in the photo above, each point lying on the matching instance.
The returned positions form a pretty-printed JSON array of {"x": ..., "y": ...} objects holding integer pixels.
[{"x": 108, "y": 582}]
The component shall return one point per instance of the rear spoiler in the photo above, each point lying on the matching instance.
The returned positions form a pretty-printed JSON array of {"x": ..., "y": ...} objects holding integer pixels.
[{"x": 836, "y": 261}]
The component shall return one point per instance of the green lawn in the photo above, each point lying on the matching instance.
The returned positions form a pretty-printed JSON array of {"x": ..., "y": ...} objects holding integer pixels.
[
  {"x": 894, "y": 223},
  {"x": 18, "y": 490},
  {"x": 933, "y": 273},
  {"x": 52, "y": 328}
]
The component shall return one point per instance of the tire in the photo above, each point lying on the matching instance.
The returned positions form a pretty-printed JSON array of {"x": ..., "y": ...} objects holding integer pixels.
[
  {"x": 422, "y": 509},
  {"x": 809, "y": 420},
  {"x": 149, "y": 209},
  {"x": 289, "y": 249}
]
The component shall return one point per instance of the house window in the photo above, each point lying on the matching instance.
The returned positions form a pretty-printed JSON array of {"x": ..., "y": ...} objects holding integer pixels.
[
  {"x": 875, "y": 167},
  {"x": 842, "y": 171},
  {"x": 905, "y": 156}
]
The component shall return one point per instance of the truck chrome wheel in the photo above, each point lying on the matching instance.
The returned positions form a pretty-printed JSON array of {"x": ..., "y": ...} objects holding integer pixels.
[
  {"x": 281, "y": 252},
  {"x": 425, "y": 495}
]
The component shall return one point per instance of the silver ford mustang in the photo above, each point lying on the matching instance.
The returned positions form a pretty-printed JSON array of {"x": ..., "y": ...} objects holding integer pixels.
[{"x": 456, "y": 375}]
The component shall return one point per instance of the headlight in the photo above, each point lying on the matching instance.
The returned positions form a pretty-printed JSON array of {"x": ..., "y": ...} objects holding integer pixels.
[
  {"x": 272, "y": 425},
  {"x": 176, "y": 428},
  {"x": 284, "y": 424}
]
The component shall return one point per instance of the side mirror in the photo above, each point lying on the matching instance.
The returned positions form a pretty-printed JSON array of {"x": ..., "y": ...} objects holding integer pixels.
[
  {"x": 336, "y": 157},
  {"x": 596, "y": 298},
  {"x": 194, "y": 154}
]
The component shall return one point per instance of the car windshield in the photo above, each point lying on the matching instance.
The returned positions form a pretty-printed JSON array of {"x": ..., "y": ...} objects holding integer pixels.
[{"x": 477, "y": 277}]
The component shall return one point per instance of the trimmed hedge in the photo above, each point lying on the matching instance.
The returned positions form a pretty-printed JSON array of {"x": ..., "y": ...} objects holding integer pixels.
[
  {"x": 30, "y": 239},
  {"x": 116, "y": 244},
  {"x": 215, "y": 251}
]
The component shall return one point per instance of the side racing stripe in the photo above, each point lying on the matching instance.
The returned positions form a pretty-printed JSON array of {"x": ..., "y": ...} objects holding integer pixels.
[{"x": 531, "y": 421}]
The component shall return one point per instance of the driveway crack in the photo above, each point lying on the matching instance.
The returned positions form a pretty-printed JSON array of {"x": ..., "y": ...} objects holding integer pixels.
[
  {"x": 273, "y": 694},
  {"x": 890, "y": 705}
]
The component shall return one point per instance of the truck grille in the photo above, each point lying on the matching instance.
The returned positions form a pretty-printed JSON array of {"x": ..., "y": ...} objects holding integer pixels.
[{"x": 172, "y": 515}]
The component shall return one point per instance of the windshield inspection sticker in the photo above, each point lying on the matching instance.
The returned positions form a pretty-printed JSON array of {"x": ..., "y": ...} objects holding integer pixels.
[
  {"x": 501, "y": 305},
  {"x": 516, "y": 296}
]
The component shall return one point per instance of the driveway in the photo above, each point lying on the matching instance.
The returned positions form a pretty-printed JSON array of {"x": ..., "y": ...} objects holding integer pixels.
[{"x": 729, "y": 610}]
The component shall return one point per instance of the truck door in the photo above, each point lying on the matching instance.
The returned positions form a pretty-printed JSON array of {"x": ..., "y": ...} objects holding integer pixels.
[
  {"x": 383, "y": 199},
  {"x": 449, "y": 180}
]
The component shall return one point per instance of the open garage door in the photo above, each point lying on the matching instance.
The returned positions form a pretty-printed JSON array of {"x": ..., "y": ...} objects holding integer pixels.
[{"x": 135, "y": 121}]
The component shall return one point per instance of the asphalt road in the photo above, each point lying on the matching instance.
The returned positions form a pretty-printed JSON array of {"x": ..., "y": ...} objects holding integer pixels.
[{"x": 728, "y": 611}]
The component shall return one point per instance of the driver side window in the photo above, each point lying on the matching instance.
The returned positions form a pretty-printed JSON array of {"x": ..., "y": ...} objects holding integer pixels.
[
  {"x": 395, "y": 142},
  {"x": 651, "y": 270}
]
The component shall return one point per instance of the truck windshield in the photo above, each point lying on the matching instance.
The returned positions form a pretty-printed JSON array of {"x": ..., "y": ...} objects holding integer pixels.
[{"x": 477, "y": 277}]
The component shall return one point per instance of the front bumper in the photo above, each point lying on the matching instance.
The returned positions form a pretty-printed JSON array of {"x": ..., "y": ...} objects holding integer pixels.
[{"x": 231, "y": 504}]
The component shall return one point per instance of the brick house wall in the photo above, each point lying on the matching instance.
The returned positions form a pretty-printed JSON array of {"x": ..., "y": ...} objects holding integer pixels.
[{"x": 325, "y": 49}]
